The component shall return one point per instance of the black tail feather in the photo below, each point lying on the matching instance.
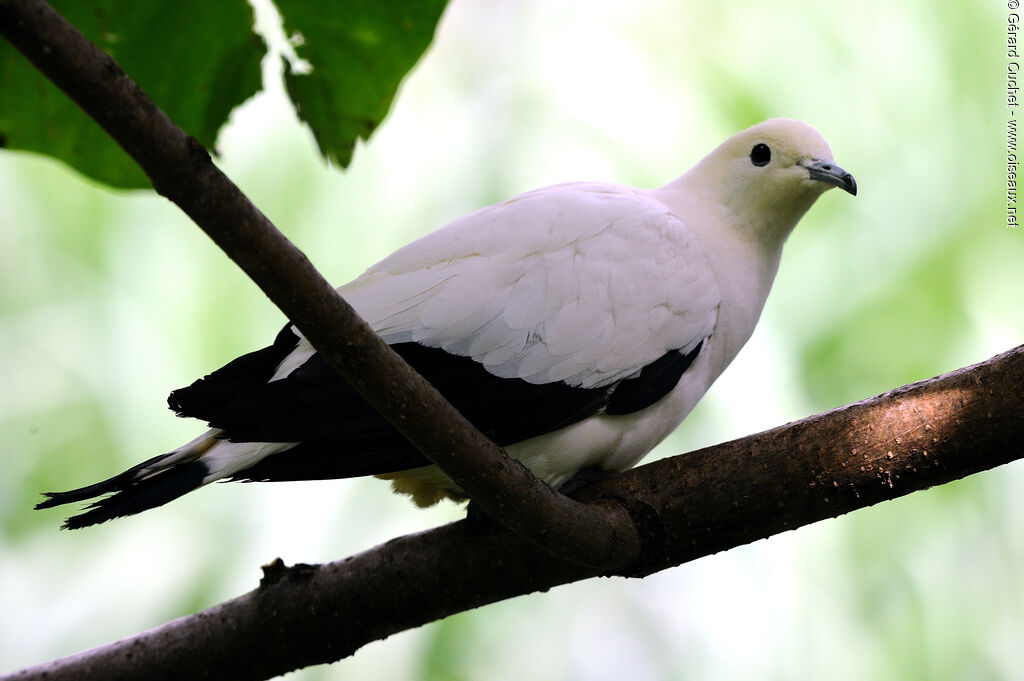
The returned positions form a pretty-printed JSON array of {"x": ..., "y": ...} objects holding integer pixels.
[
  {"x": 108, "y": 486},
  {"x": 129, "y": 496}
]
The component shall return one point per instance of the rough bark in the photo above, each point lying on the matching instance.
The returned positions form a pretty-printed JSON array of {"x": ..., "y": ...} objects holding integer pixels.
[
  {"x": 182, "y": 171},
  {"x": 688, "y": 506}
]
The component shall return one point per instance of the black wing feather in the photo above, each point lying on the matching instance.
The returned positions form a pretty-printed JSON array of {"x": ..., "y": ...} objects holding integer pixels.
[
  {"x": 654, "y": 382},
  {"x": 331, "y": 459},
  {"x": 207, "y": 395},
  {"x": 314, "y": 403},
  {"x": 340, "y": 435}
]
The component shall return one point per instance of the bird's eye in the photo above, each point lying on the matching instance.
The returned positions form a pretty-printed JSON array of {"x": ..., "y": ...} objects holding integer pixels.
[{"x": 760, "y": 155}]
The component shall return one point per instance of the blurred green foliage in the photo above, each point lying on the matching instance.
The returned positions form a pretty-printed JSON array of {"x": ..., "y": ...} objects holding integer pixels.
[
  {"x": 200, "y": 60},
  {"x": 108, "y": 301}
]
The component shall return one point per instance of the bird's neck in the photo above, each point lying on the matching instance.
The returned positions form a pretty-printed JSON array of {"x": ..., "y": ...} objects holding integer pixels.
[
  {"x": 745, "y": 266},
  {"x": 752, "y": 231},
  {"x": 766, "y": 218}
]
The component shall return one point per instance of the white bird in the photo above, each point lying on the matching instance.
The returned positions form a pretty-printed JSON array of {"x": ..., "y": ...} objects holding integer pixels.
[{"x": 576, "y": 325}]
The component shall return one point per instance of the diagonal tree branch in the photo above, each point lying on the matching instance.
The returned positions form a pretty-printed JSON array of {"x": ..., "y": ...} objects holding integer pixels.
[
  {"x": 691, "y": 505},
  {"x": 601, "y": 535}
]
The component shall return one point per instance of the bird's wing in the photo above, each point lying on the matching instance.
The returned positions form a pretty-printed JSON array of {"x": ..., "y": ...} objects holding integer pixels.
[
  {"x": 584, "y": 284},
  {"x": 528, "y": 316}
]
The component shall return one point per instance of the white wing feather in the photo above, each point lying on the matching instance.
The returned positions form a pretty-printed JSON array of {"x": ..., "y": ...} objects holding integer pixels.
[{"x": 582, "y": 283}]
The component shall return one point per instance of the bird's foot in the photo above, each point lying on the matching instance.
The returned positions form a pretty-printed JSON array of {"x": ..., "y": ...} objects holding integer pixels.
[{"x": 476, "y": 517}]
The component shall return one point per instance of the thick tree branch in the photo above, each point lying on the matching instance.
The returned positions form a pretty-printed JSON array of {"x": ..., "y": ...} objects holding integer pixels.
[
  {"x": 181, "y": 170},
  {"x": 691, "y": 505}
]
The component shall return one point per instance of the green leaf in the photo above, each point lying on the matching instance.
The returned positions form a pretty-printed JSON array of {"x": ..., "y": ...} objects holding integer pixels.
[
  {"x": 359, "y": 50},
  {"x": 198, "y": 60}
]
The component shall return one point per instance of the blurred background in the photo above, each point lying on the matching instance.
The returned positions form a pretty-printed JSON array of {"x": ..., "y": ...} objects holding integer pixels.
[{"x": 108, "y": 300}]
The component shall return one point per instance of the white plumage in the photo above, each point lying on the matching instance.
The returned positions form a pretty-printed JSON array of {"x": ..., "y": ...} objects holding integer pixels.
[
  {"x": 581, "y": 283},
  {"x": 598, "y": 292}
]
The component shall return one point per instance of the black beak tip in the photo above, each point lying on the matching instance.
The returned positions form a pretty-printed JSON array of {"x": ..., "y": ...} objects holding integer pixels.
[
  {"x": 850, "y": 184},
  {"x": 830, "y": 173}
]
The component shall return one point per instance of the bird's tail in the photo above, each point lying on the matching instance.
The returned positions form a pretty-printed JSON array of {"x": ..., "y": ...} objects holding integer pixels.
[{"x": 151, "y": 483}]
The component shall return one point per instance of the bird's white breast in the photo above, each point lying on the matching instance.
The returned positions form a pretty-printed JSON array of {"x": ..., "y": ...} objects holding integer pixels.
[{"x": 743, "y": 269}]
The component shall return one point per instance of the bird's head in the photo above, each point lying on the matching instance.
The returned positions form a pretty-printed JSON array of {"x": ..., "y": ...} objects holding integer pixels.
[{"x": 767, "y": 176}]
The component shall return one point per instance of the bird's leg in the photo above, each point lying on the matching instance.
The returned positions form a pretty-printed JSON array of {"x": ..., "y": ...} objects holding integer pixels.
[{"x": 477, "y": 517}]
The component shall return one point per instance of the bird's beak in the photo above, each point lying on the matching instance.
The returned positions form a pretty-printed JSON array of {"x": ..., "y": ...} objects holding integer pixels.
[{"x": 828, "y": 171}]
